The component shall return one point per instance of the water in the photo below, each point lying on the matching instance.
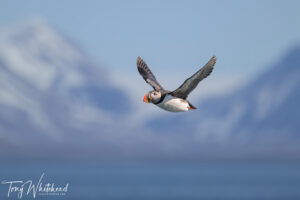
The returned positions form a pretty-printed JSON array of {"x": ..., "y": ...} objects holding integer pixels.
[{"x": 160, "y": 180}]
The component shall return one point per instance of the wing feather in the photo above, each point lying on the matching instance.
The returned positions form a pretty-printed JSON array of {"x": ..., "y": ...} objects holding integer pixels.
[
  {"x": 191, "y": 83},
  {"x": 147, "y": 74}
]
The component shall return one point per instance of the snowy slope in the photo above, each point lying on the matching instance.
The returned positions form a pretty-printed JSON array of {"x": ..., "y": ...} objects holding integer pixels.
[
  {"x": 56, "y": 102},
  {"x": 50, "y": 87},
  {"x": 264, "y": 114}
]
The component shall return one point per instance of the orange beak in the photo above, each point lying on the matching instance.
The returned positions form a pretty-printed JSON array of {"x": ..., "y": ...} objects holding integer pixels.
[{"x": 146, "y": 98}]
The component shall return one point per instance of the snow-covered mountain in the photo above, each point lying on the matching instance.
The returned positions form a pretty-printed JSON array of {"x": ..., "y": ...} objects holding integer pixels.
[
  {"x": 50, "y": 89},
  {"x": 262, "y": 116},
  {"x": 56, "y": 102}
]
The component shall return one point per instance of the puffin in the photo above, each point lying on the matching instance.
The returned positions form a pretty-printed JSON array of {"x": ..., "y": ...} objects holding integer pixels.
[{"x": 173, "y": 101}]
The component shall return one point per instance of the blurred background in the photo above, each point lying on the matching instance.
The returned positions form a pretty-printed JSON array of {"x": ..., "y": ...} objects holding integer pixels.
[{"x": 71, "y": 98}]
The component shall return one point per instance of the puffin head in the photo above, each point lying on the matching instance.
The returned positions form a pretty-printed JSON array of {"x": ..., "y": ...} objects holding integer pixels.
[{"x": 152, "y": 97}]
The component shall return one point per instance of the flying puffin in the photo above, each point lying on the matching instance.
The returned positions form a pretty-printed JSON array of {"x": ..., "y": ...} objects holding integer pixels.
[{"x": 175, "y": 101}]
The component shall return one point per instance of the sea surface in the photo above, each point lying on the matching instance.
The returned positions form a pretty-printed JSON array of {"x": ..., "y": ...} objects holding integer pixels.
[{"x": 155, "y": 180}]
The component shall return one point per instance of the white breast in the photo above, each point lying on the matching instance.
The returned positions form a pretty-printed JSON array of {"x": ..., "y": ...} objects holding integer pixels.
[{"x": 174, "y": 104}]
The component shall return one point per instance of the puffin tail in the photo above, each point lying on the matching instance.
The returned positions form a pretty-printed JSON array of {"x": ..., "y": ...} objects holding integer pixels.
[{"x": 191, "y": 107}]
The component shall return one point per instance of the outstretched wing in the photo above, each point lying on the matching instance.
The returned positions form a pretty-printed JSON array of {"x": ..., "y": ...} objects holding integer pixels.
[
  {"x": 147, "y": 74},
  {"x": 192, "y": 82}
]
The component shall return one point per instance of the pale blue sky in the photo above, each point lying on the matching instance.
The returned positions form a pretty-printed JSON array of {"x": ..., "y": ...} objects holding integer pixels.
[{"x": 244, "y": 35}]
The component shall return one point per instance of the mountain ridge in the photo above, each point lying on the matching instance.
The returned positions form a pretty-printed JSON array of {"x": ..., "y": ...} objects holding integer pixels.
[
  {"x": 56, "y": 102},
  {"x": 51, "y": 89},
  {"x": 262, "y": 111}
]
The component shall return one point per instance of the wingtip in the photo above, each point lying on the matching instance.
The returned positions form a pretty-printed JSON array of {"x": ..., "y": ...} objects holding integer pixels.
[
  {"x": 213, "y": 60},
  {"x": 138, "y": 60}
]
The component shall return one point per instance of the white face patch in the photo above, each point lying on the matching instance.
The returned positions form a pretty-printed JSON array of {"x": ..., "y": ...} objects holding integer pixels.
[{"x": 155, "y": 96}]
